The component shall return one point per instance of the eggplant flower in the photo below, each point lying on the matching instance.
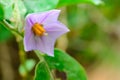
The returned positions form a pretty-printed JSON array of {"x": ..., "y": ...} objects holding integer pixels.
[{"x": 42, "y": 30}]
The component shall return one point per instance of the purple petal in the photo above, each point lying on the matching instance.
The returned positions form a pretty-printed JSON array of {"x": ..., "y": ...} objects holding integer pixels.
[
  {"x": 28, "y": 25},
  {"x": 29, "y": 43},
  {"x": 52, "y": 16},
  {"x": 48, "y": 42},
  {"x": 43, "y": 17},
  {"x": 45, "y": 44},
  {"x": 32, "y": 42},
  {"x": 56, "y": 29},
  {"x": 31, "y": 19}
]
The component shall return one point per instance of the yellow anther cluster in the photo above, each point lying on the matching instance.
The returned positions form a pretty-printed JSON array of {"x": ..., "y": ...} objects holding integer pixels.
[{"x": 38, "y": 29}]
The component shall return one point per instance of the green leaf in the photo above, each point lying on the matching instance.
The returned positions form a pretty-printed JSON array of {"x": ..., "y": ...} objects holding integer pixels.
[
  {"x": 42, "y": 72},
  {"x": 71, "y": 2},
  {"x": 7, "y": 4},
  {"x": 4, "y": 33},
  {"x": 1, "y": 12},
  {"x": 63, "y": 62},
  {"x": 40, "y": 5}
]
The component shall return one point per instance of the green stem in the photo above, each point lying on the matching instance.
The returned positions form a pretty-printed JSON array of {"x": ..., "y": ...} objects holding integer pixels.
[
  {"x": 41, "y": 57},
  {"x": 10, "y": 27},
  {"x": 21, "y": 53},
  {"x": 7, "y": 24},
  {"x": 23, "y": 60},
  {"x": 51, "y": 74}
]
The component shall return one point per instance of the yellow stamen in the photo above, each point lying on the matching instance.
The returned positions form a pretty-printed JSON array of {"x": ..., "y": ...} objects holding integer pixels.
[{"x": 38, "y": 29}]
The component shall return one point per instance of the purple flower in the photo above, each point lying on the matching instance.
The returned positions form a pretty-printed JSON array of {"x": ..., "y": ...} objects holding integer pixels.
[{"x": 42, "y": 30}]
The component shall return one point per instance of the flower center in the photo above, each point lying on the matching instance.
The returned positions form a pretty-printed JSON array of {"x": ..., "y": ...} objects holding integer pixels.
[{"x": 38, "y": 29}]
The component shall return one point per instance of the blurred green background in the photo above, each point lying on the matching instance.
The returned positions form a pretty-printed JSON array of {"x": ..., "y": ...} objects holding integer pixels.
[{"x": 93, "y": 40}]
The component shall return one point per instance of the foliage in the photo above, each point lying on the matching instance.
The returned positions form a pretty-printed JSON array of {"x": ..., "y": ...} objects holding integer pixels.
[
  {"x": 71, "y": 2},
  {"x": 62, "y": 62}
]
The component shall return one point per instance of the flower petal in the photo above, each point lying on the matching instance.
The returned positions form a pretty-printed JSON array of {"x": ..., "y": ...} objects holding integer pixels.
[
  {"x": 45, "y": 44},
  {"x": 43, "y": 17},
  {"x": 29, "y": 43},
  {"x": 32, "y": 42},
  {"x": 52, "y": 16},
  {"x": 48, "y": 42},
  {"x": 56, "y": 29}
]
